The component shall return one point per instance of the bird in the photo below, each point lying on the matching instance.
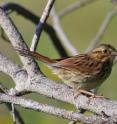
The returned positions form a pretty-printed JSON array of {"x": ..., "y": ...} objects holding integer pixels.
[{"x": 83, "y": 72}]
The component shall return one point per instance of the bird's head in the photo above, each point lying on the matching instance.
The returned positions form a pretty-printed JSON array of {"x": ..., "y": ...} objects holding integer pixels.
[{"x": 104, "y": 52}]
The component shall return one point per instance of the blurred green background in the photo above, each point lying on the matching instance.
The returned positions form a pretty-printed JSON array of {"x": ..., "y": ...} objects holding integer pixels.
[{"x": 81, "y": 27}]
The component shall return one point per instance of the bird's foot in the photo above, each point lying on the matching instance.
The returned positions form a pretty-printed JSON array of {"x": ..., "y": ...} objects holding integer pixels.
[
  {"x": 94, "y": 96},
  {"x": 87, "y": 93}
]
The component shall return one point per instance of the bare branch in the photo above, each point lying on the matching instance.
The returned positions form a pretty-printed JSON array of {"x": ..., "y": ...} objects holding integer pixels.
[
  {"x": 102, "y": 29},
  {"x": 30, "y": 104},
  {"x": 41, "y": 24},
  {"x": 63, "y": 93},
  {"x": 64, "y": 40},
  {"x": 13, "y": 70},
  {"x": 17, "y": 41},
  {"x": 10, "y": 68},
  {"x": 34, "y": 19},
  {"x": 74, "y": 6}
]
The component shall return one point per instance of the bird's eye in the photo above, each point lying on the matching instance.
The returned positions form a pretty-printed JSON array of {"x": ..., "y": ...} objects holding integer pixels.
[{"x": 105, "y": 51}]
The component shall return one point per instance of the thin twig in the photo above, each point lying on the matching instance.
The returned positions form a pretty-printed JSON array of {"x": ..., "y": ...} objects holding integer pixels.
[
  {"x": 34, "y": 19},
  {"x": 4, "y": 90},
  {"x": 102, "y": 29},
  {"x": 13, "y": 113},
  {"x": 41, "y": 24},
  {"x": 18, "y": 117},
  {"x": 64, "y": 39},
  {"x": 74, "y": 6}
]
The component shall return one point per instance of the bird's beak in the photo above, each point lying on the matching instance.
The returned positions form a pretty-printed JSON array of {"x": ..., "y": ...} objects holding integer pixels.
[{"x": 114, "y": 53}]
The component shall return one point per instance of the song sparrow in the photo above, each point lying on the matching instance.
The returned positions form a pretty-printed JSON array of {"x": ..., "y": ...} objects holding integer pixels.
[{"x": 84, "y": 71}]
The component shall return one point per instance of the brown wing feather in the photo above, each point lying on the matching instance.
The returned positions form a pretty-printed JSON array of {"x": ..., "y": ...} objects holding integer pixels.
[{"x": 83, "y": 63}]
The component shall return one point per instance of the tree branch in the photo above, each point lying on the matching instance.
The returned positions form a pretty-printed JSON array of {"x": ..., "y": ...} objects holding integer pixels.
[
  {"x": 41, "y": 23},
  {"x": 17, "y": 41},
  {"x": 11, "y": 69},
  {"x": 34, "y": 19},
  {"x": 74, "y": 6},
  {"x": 63, "y": 93},
  {"x": 64, "y": 39},
  {"x": 70, "y": 115},
  {"x": 15, "y": 114}
]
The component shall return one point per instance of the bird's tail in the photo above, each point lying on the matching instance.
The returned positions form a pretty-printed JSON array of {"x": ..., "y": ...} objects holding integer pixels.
[{"x": 35, "y": 55}]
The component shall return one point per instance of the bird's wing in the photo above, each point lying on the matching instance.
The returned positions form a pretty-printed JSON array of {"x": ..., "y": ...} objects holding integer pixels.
[{"x": 83, "y": 63}]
